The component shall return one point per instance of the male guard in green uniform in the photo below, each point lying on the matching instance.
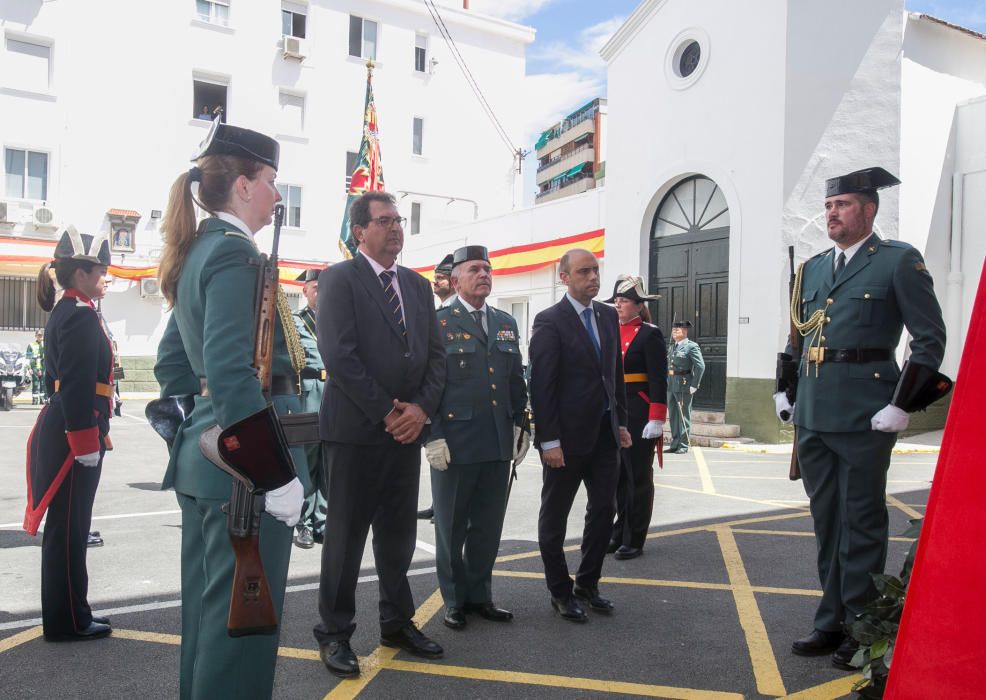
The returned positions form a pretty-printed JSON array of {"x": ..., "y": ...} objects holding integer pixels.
[
  {"x": 851, "y": 304},
  {"x": 36, "y": 366},
  {"x": 311, "y": 527},
  {"x": 474, "y": 436},
  {"x": 685, "y": 369}
]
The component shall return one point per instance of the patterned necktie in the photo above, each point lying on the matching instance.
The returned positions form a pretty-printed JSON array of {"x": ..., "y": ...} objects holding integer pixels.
[
  {"x": 478, "y": 316},
  {"x": 587, "y": 321},
  {"x": 840, "y": 265},
  {"x": 394, "y": 301}
]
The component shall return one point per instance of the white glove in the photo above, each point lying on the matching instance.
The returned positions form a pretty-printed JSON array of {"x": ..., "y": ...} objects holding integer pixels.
[
  {"x": 437, "y": 454},
  {"x": 653, "y": 430},
  {"x": 522, "y": 443},
  {"x": 692, "y": 389},
  {"x": 782, "y": 406},
  {"x": 285, "y": 503},
  {"x": 890, "y": 419},
  {"x": 89, "y": 460}
]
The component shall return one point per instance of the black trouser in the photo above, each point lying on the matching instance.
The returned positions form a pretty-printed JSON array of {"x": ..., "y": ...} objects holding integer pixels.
[
  {"x": 600, "y": 471},
  {"x": 369, "y": 485},
  {"x": 64, "y": 577},
  {"x": 635, "y": 493}
]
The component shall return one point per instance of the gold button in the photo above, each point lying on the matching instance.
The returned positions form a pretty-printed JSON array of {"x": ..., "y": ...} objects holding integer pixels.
[
  {"x": 830, "y": 300},
  {"x": 876, "y": 375},
  {"x": 828, "y": 319},
  {"x": 493, "y": 387},
  {"x": 451, "y": 415},
  {"x": 823, "y": 338},
  {"x": 494, "y": 402},
  {"x": 866, "y": 296},
  {"x": 461, "y": 350},
  {"x": 491, "y": 370}
]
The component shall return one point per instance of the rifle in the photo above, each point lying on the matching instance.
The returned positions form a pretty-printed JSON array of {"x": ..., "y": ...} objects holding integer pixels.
[{"x": 787, "y": 370}]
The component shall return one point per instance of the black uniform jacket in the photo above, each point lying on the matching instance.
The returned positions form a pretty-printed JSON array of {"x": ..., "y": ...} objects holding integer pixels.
[
  {"x": 78, "y": 359},
  {"x": 646, "y": 400}
]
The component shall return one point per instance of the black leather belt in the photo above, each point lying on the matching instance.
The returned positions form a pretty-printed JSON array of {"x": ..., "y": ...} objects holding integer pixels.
[
  {"x": 312, "y": 373},
  {"x": 279, "y": 384},
  {"x": 679, "y": 372},
  {"x": 820, "y": 355}
]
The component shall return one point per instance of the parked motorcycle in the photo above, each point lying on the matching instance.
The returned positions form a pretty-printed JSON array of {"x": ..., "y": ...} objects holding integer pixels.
[{"x": 14, "y": 375}]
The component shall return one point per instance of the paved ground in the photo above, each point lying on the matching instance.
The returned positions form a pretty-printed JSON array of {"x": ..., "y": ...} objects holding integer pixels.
[{"x": 727, "y": 581}]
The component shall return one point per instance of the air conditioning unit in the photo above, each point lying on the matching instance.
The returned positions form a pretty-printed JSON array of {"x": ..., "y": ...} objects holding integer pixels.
[
  {"x": 294, "y": 47},
  {"x": 150, "y": 288},
  {"x": 44, "y": 218}
]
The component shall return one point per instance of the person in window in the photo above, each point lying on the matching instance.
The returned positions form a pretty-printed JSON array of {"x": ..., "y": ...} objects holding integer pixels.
[
  {"x": 71, "y": 434},
  {"x": 208, "y": 275},
  {"x": 206, "y": 113}
]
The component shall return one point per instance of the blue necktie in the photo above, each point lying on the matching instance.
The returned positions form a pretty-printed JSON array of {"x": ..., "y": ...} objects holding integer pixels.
[{"x": 587, "y": 320}]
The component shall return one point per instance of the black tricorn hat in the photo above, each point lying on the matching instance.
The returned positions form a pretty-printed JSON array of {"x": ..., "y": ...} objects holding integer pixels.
[
  {"x": 470, "y": 252},
  {"x": 229, "y": 140},
  {"x": 869, "y": 180},
  {"x": 445, "y": 266},
  {"x": 308, "y": 275},
  {"x": 681, "y": 324},
  {"x": 83, "y": 247},
  {"x": 631, "y": 287}
]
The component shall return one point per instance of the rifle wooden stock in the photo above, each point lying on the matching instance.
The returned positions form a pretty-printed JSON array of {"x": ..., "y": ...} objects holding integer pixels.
[
  {"x": 794, "y": 471},
  {"x": 266, "y": 299}
]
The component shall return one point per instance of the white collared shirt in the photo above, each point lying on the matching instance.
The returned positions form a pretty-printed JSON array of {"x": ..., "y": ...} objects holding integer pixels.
[
  {"x": 579, "y": 308},
  {"x": 470, "y": 308},
  {"x": 378, "y": 268},
  {"x": 447, "y": 302},
  {"x": 849, "y": 252},
  {"x": 235, "y": 220}
]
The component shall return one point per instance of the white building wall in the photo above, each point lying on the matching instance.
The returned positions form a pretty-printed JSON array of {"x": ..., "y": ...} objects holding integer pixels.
[{"x": 118, "y": 121}]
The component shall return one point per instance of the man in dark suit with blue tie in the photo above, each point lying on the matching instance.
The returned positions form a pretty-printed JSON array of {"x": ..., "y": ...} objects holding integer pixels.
[
  {"x": 378, "y": 336},
  {"x": 580, "y": 418}
]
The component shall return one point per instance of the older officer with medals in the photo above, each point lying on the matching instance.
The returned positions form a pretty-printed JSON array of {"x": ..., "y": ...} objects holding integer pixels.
[
  {"x": 851, "y": 303},
  {"x": 311, "y": 527},
  {"x": 475, "y": 434},
  {"x": 71, "y": 434},
  {"x": 645, "y": 373},
  {"x": 209, "y": 275},
  {"x": 685, "y": 369}
]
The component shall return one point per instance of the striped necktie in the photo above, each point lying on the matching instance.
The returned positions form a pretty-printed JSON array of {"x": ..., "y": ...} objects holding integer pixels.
[{"x": 394, "y": 301}]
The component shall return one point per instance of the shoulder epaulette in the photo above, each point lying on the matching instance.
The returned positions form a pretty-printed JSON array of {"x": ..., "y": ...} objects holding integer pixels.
[
  {"x": 238, "y": 234},
  {"x": 895, "y": 244}
]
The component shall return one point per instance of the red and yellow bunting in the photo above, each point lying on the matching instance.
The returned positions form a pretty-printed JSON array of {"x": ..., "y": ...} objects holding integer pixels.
[{"x": 534, "y": 256}]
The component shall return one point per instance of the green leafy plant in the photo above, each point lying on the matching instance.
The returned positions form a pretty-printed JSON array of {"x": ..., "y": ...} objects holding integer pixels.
[{"x": 876, "y": 628}]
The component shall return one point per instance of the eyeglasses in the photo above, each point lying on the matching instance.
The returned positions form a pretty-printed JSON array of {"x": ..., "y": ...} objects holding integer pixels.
[{"x": 388, "y": 221}]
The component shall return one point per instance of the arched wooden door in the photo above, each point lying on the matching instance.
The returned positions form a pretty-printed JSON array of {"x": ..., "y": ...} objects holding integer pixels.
[{"x": 689, "y": 268}]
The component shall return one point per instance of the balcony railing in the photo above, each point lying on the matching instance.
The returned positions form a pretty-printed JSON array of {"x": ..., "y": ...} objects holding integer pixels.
[{"x": 558, "y": 159}]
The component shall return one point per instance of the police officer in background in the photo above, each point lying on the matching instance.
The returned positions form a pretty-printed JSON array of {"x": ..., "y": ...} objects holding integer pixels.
[
  {"x": 685, "y": 369},
  {"x": 475, "y": 434},
  {"x": 36, "y": 364},
  {"x": 311, "y": 527},
  {"x": 853, "y": 301}
]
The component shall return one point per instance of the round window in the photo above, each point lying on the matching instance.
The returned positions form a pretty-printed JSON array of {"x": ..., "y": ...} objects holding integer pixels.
[{"x": 689, "y": 58}]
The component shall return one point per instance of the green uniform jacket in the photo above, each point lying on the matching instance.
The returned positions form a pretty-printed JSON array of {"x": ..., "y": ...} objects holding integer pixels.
[
  {"x": 211, "y": 334},
  {"x": 485, "y": 395},
  {"x": 884, "y": 287},
  {"x": 684, "y": 358},
  {"x": 311, "y": 389}
]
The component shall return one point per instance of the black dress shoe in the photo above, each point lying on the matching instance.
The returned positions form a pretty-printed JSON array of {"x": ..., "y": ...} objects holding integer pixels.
[
  {"x": 569, "y": 609},
  {"x": 318, "y": 537},
  {"x": 671, "y": 450},
  {"x": 454, "y": 618},
  {"x": 101, "y": 620},
  {"x": 817, "y": 643},
  {"x": 842, "y": 658},
  {"x": 595, "y": 601},
  {"x": 410, "y": 639},
  {"x": 94, "y": 540},
  {"x": 488, "y": 611},
  {"x": 627, "y": 552},
  {"x": 304, "y": 538},
  {"x": 95, "y": 630},
  {"x": 613, "y": 546},
  {"x": 426, "y": 514},
  {"x": 339, "y": 658}
]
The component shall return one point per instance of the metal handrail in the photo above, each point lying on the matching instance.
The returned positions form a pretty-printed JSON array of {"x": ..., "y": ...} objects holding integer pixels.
[{"x": 557, "y": 160}]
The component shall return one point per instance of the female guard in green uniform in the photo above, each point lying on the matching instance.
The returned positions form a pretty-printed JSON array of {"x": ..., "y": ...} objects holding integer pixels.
[{"x": 209, "y": 273}]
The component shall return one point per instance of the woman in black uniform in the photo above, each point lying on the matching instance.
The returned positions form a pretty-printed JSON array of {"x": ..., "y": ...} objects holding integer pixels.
[
  {"x": 65, "y": 450},
  {"x": 645, "y": 372}
]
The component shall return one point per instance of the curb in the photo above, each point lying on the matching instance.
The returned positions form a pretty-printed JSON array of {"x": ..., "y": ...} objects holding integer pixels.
[{"x": 901, "y": 449}]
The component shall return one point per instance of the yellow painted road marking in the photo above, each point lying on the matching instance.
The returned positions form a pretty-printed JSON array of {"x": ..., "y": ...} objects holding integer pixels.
[
  {"x": 664, "y": 583},
  {"x": 839, "y": 688},
  {"x": 903, "y": 507},
  {"x": 772, "y": 504},
  {"x": 601, "y": 686},
  {"x": 139, "y": 636},
  {"x": 383, "y": 657},
  {"x": 20, "y": 638},
  {"x": 765, "y": 669},
  {"x": 796, "y": 533},
  {"x": 703, "y": 471}
]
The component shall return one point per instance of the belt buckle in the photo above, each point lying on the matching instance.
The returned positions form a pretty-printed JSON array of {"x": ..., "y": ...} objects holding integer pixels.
[
  {"x": 816, "y": 355},
  {"x": 670, "y": 372}
]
